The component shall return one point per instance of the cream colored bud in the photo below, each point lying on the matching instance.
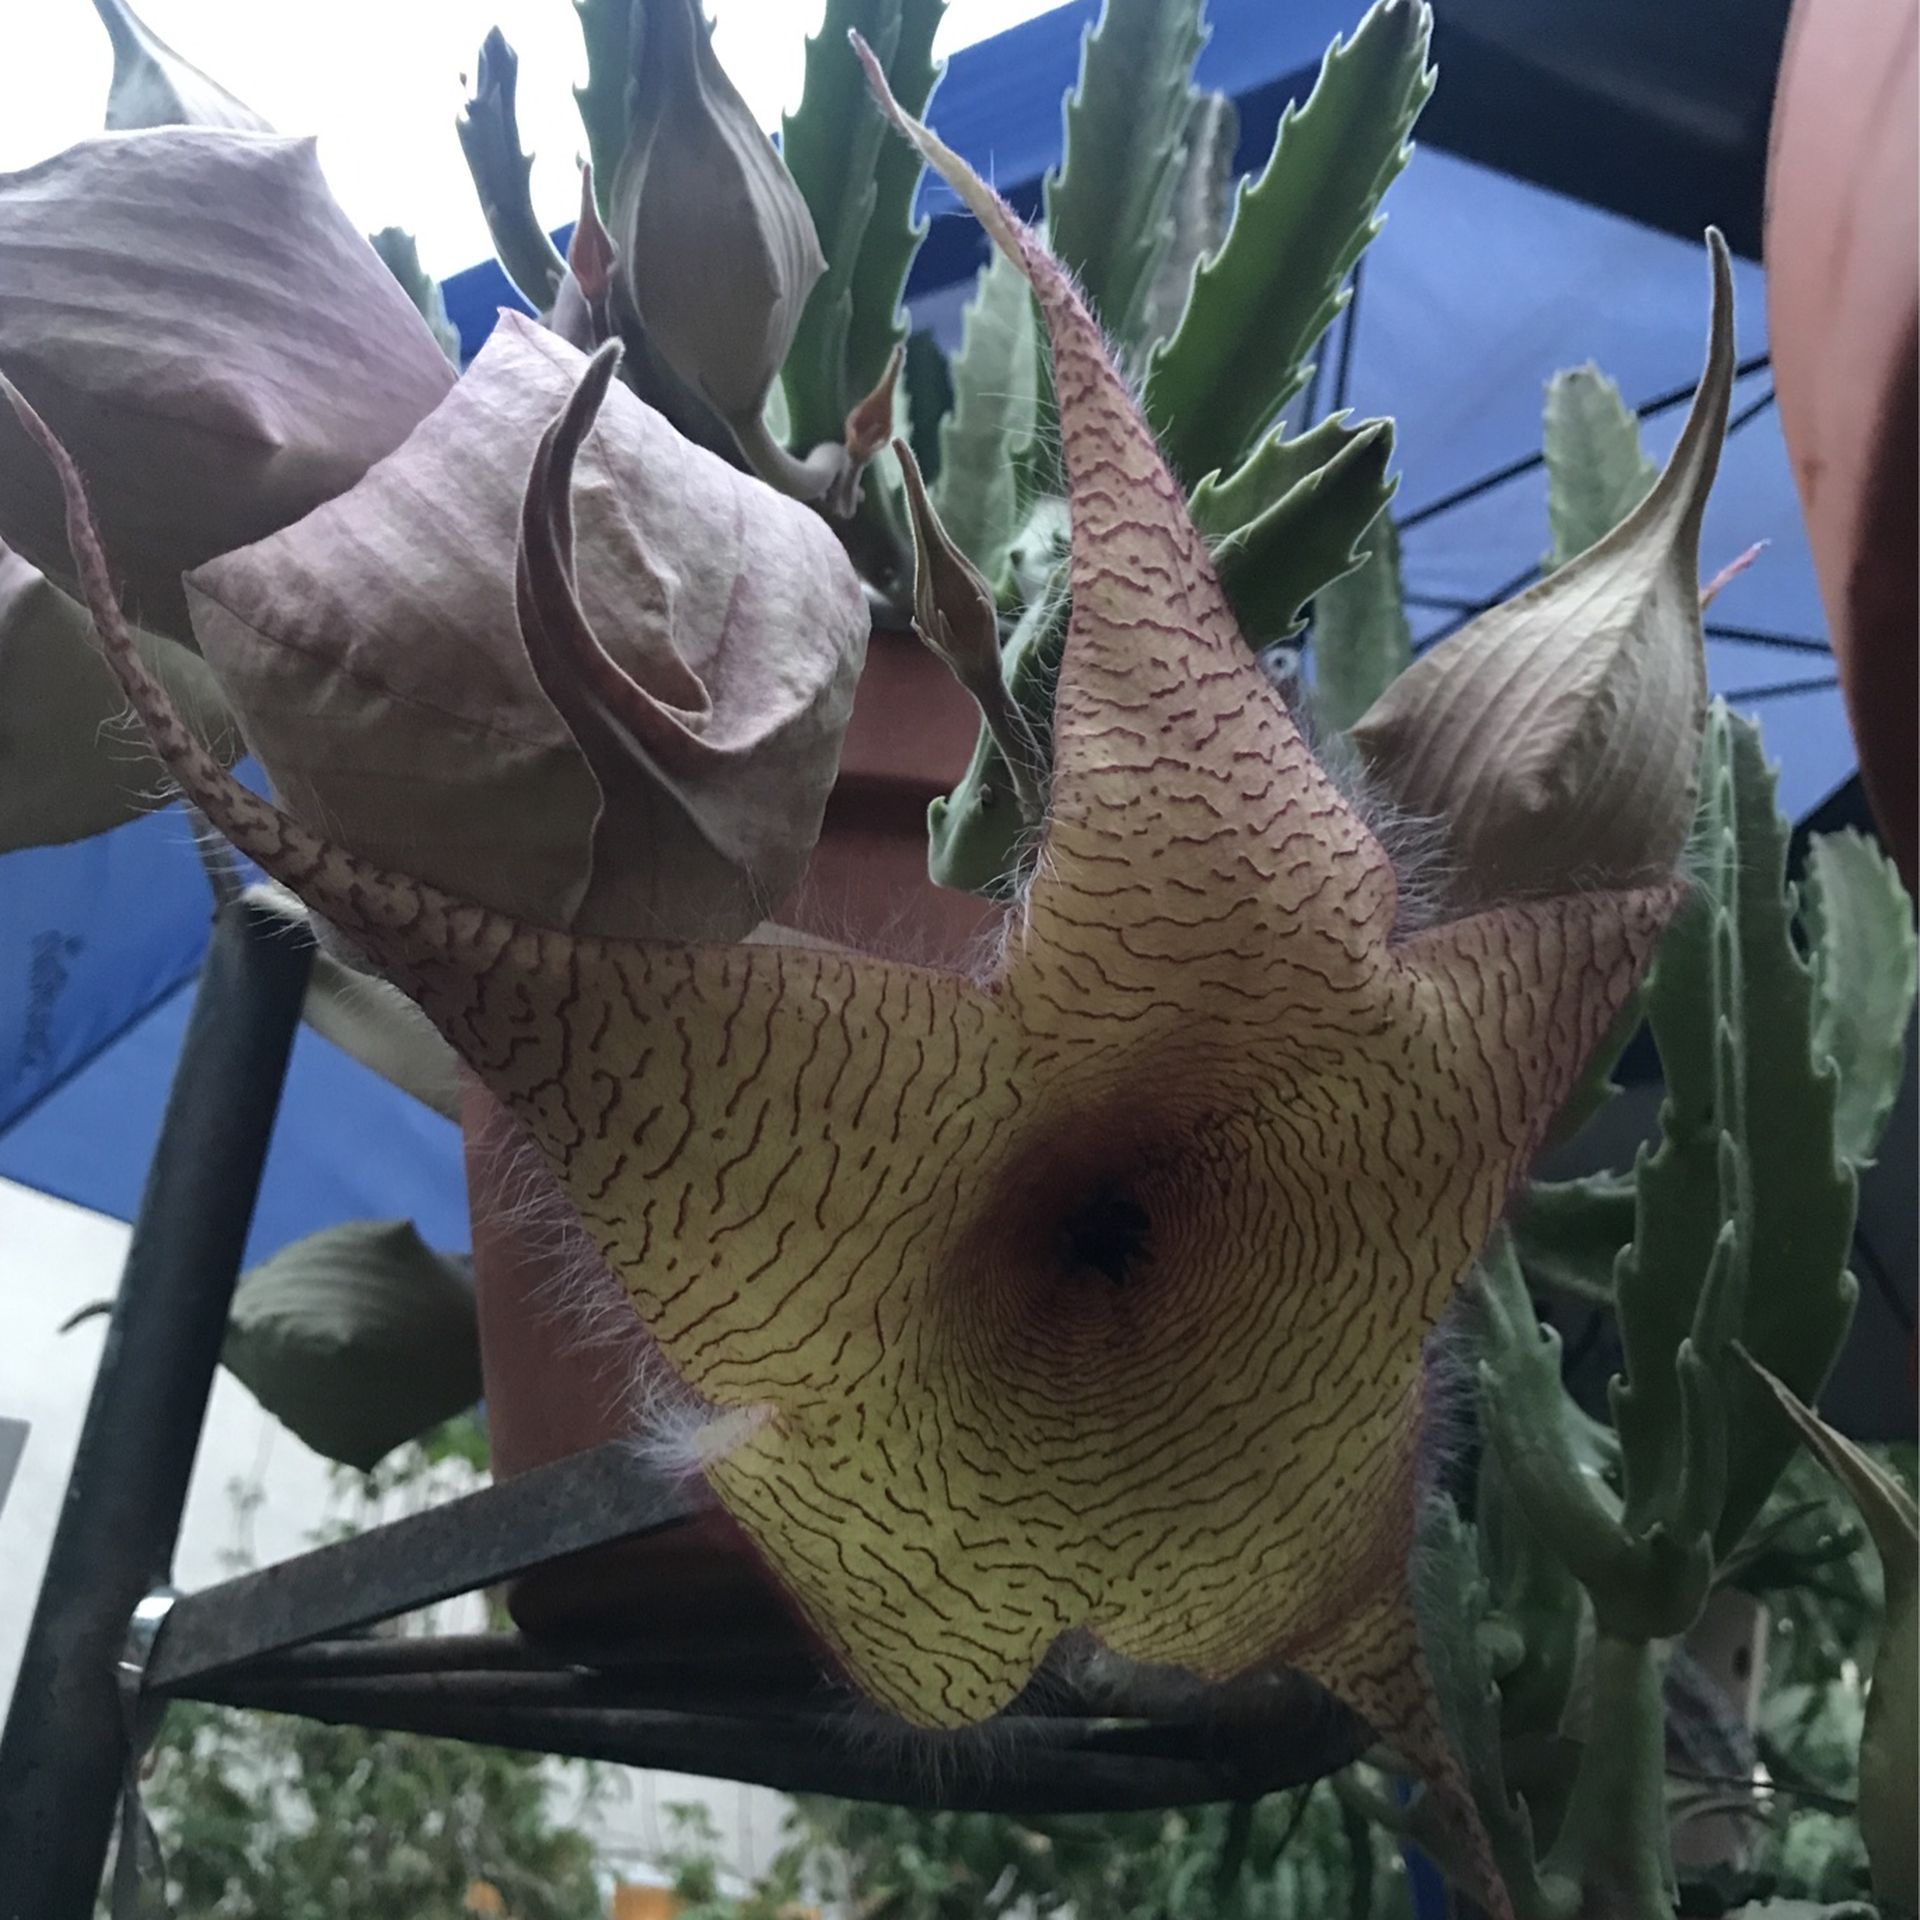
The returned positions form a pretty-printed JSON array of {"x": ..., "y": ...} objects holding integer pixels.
[{"x": 1557, "y": 737}]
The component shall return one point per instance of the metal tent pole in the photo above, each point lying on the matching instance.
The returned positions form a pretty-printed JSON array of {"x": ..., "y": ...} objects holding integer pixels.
[{"x": 63, "y": 1752}]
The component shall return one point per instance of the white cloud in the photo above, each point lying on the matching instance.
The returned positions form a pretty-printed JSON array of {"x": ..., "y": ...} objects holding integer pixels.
[{"x": 380, "y": 82}]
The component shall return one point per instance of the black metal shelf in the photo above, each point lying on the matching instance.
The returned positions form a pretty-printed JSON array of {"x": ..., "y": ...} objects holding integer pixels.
[{"x": 290, "y": 1639}]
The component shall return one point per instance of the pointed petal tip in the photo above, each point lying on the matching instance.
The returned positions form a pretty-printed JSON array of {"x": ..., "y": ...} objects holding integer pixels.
[
  {"x": 1720, "y": 271},
  {"x": 550, "y": 483},
  {"x": 591, "y": 255},
  {"x": 986, "y": 206}
]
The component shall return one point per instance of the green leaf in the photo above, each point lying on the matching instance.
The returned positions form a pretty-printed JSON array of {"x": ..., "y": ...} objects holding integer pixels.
[
  {"x": 1745, "y": 1210},
  {"x": 1196, "y": 224},
  {"x": 358, "y": 1339},
  {"x": 878, "y": 322},
  {"x": 859, "y": 186},
  {"x": 1450, "y": 1598},
  {"x": 1108, "y": 208},
  {"x": 606, "y": 26},
  {"x": 1596, "y": 471},
  {"x": 72, "y": 763},
  {"x": 396, "y": 247},
  {"x": 1569, "y": 1233},
  {"x": 1361, "y": 643},
  {"x": 1858, "y": 923},
  {"x": 1549, "y": 1467},
  {"x": 995, "y": 395},
  {"x": 1289, "y": 523},
  {"x": 1537, "y": 1602},
  {"x": 489, "y": 132},
  {"x": 1261, "y": 304},
  {"x": 979, "y": 838},
  {"x": 926, "y": 399},
  {"x": 1890, "y": 1738}
]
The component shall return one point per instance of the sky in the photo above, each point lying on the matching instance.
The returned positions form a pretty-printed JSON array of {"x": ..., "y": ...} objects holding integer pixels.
[{"x": 380, "y": 82}]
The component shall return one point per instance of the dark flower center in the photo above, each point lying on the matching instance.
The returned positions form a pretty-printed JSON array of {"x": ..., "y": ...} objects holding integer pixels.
[{"x": 1105, "y": 1234}]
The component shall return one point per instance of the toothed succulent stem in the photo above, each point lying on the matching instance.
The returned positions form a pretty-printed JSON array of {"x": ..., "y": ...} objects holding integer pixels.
[{"x": 1613, "y": 1842}]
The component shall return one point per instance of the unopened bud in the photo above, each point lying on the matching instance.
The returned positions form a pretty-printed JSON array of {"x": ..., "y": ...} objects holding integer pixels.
[
  {"x": 581, "y": 313},
  {"x": 716, "y": 245},
  {"x": 954, "y": 612},
  {"x": 1560, "y": 733},
  {"x": 870, "y": 421}
]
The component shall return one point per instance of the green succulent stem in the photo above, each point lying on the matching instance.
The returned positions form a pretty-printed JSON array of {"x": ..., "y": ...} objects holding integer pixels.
[
  {"x": 606, "y": 27},
  {"x": 1645, "y": 1579},
  {"x": 826, "y": 478},
  {"x": 1536, "y": 1598},
  {"x": 1613, "y": 1843}
]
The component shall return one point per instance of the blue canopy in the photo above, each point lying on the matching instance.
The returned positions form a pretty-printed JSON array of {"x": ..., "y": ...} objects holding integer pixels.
[{"x": 1481, "y": 286}]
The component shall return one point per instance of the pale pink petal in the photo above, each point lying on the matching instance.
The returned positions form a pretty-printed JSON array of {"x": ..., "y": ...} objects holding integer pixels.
[
  {"x": 220, "y": 347},
  {"x": 375, "y": 655}
]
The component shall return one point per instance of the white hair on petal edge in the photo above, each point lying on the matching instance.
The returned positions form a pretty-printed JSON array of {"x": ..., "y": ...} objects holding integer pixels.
[
  {"x": 1450, "y": 1389},
  {"x": 932, "y": 1763},
  {"x": 1415, "y": 843},
  {"x": 682, "y": 1435},
  {"x": 674, "y": 1427}
]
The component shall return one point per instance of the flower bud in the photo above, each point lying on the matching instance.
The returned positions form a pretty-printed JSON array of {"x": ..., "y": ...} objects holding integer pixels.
[
  {"x": 581, "y": 313},
  {"x": 953, "y": 612},
  {"x": 1559, "y": 734},
  {"x": 200, "y": 322},
  {"x": 377, "y": 657},
  {"x": 715, "y": 241}
]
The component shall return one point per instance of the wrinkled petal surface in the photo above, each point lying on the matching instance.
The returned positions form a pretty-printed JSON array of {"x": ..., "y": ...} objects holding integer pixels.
[
  {"x": 377, "y": 658},
  {"x": 200, "y": 322}
]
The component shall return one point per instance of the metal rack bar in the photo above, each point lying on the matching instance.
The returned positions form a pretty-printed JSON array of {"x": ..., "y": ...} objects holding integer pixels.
[
  {"x": 1024, "y": 1764},
  {"x": 63, "y": 1753},
  {"x": 475, "y": 1541}
]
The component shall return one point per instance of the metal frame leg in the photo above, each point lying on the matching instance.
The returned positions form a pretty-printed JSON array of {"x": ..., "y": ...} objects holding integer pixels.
[{"x": 63, "y": 1752}]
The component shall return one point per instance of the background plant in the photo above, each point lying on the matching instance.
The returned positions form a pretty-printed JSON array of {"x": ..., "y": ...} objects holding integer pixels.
[
  {"x": 1566, "y": 1565},
  {"x": 266, "y": 1816}
]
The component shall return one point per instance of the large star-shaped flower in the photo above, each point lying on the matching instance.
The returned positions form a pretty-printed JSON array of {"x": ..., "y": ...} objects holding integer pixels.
[{"x": 1090, "y": 1292}]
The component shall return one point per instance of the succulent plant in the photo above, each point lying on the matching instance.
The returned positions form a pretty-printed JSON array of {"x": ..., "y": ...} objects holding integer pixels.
[{"x": 1093, "y": 1291}]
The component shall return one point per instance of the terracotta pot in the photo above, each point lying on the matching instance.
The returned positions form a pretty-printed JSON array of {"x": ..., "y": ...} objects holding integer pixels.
[
  {"x": 560, "y": 1375},
  {"x": 1843, "y": 310},
  {"x": 910, "y": 739}
]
